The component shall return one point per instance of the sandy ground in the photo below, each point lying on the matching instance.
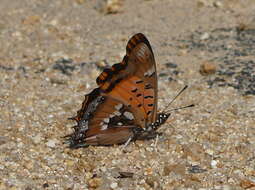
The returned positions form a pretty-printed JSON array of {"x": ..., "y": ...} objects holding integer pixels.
[{"x": 50, "y": 55}]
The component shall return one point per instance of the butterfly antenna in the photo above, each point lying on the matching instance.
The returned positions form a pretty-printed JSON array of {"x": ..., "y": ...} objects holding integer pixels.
[
  {"x": 191, "y": 105},
  {"x": 184, "y": 88}
]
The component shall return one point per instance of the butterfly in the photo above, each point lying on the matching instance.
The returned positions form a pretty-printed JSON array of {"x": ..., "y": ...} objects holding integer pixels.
[{"x": 124, "y": 105}]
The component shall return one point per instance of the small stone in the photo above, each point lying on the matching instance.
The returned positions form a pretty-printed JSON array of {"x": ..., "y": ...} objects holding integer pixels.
[
  {"x": 207, "y": 68},
  {"x": 112, "y": 6},
  {"x": 53, "y": 22},
  {"x": 214, "y": 163},
  {"x": 94, "y": 183},
  {"x": 217, "y": 4},
  {"x": 51, "y": 143},
  {"x": 17, "y": 34},
  {"x": 37, "y": 139},
  {"x": 29, "y": 165},
  {"x": 148, "y": 171},
  {"x": 31, "y": 20},
  {"x": 209, "y": 151},
  {"x": 114, "y": 185},
  {"x": 70, "y": 163},
  {"x": 231, "y": 180},
  {"x": 109, "y": 6},
  {"x": 183, "y": 52},
  {"x": 201, "y": 3},
  {"x": 205, "y": 36}
]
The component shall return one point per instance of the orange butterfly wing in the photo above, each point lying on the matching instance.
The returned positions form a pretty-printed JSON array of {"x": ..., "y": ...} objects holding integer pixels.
[
  {"x": 136, "y": 83},
  {"x": 126, "y": 99}
]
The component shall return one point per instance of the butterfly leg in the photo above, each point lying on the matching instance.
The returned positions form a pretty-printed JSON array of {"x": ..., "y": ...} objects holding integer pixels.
[
  {"x": 126, "y": 143},
  {"x": 156, "y": 142}
]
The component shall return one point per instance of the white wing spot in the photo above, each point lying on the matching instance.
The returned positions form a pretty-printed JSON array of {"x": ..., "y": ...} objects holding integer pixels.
[
  {"x": 119, "y": 106},
  {"x": 120, "y": 123},
  {"x": 149, "y": 72},
  {"x": 106, "y": 120},
  {"x": 117, "y": 113},
  {"x": 129, "y": 115},
  {"x": 104, "y": 127}
]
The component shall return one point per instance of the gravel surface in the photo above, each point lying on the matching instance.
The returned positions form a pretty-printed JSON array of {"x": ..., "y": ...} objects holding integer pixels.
[{"x": 50, "y": 55}]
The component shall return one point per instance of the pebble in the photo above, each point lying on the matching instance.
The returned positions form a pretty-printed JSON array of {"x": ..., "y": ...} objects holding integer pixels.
[
  {"x": 205, "y": 36},
  {"x": 109, "y": 6},
  {"x": 95, "y": 182},
  {"x": 209, "y": 151},
  {"x": 207, "y": 68},
  {"x": 214, "y": 163},
  {"x": 70, "y": 163},
  {"x": 101, "y": 63},
  {"x": 114, "y": 185},
  {"x": 53, "y": 22},
  {"x": 218, "y": 4},
  {"x": 31, "y": 20},
  {"x": 52, "y": 143},
  {"x": 112, "y": 6},
  {"x": 37, "y": 139}
]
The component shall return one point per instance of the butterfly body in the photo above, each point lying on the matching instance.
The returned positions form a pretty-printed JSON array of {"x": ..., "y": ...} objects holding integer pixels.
[{"x": 124, "y": 106}]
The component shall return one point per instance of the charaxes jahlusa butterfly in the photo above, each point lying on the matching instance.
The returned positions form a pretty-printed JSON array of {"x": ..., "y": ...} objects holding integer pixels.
[{"x": 124, "y": 105}]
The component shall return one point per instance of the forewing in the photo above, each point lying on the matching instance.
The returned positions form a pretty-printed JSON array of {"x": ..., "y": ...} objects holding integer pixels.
[{"x": 134, "y": 80}]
